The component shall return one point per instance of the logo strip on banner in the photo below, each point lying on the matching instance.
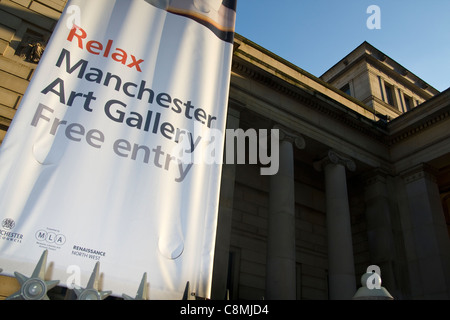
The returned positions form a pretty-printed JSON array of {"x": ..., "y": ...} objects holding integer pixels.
[{"x": 98, "y": 163}]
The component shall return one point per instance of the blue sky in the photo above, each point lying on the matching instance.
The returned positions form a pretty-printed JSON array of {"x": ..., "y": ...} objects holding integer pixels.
[{"x": 316, "y": 34}]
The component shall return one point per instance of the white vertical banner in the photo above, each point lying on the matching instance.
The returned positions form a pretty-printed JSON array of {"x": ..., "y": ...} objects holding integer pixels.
[{"x": 105, "y": 158}]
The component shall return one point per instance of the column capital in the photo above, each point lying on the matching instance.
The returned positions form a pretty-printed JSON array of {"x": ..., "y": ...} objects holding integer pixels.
[
  {"x": 334, "y": 157},
  {"x": 422, "y": 170},
  {"x": 375, "y": 175},
  {"x": 286, "y": 135}
]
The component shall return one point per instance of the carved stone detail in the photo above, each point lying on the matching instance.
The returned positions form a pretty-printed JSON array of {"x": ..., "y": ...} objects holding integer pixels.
[
  {"x": 296, "y": 139},
  {"x": 32, "y": 47},
  {"x": 335, "y": 158}
]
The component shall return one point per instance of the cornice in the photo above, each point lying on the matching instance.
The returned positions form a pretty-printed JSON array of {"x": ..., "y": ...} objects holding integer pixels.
[
  {"x": 381, "y": 61},
  {"x": 395, "y": 74},
  {"x": 431, "y": 113},
  {"x": 309, "y": 97},
  {"x": 418, "y": 127},
  {"x": 313, "y": 99}
]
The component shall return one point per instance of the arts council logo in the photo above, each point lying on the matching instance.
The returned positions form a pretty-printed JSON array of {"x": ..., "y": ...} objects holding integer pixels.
[{"x": 6, "y": 233}]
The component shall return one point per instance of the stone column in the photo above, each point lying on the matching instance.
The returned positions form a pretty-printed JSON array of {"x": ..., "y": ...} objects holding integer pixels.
[
  {"x": 426, "y": 236},
  {"x": 379, "y": 227},
  {"x": 223, "y": 234},
  {"x": 341, "y": 270},
  {"x": 281, "y": 272}
]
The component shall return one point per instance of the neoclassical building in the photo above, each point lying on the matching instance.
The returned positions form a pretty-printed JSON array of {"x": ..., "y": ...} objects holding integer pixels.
[
  {"x": 367, "y": 185},
  {"x": 364, "y": 174}
]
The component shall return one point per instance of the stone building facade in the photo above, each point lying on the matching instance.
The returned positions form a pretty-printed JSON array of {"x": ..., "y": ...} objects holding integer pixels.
[{"x": 364, "y": 173}]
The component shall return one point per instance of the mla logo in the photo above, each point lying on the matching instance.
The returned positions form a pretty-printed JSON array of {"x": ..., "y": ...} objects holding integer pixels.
[{"x": 50, "y": 237}]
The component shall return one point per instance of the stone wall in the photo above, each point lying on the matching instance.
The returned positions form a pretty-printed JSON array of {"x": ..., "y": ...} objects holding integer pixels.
[
  {"x": 250, "y": 228},
  {"x": 23, "y": 23}
]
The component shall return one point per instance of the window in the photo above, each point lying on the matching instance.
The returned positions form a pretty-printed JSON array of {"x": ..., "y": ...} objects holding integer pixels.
[
  {"x": 381, "y": 88},
  {"x": 298, "y": 278},
  {"x": 346, "y": 89},
  {"x": 233, "y": 273},
  {"x": 401, "y": 101},
  {"x": 408, "y": 103},
  {"x": 389, "y": 94}
]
